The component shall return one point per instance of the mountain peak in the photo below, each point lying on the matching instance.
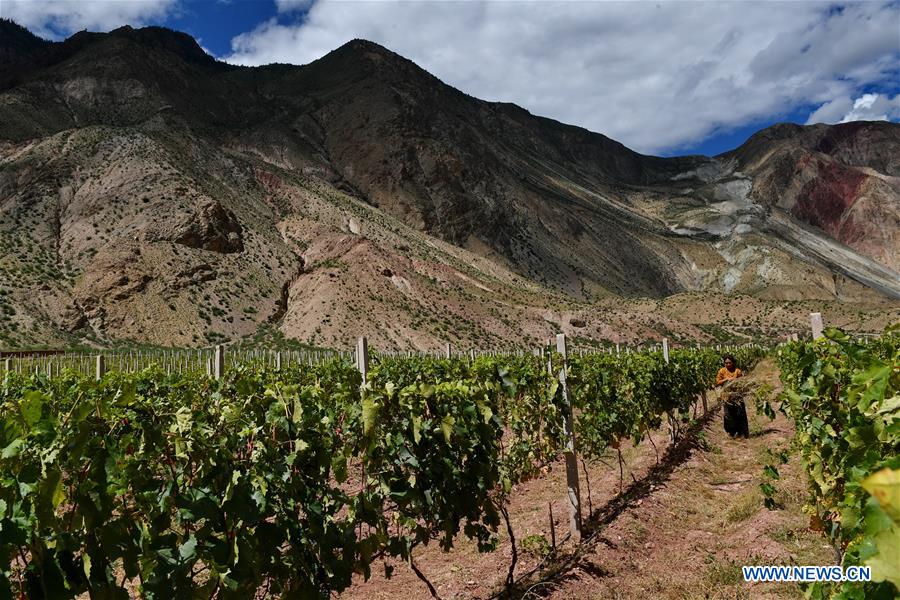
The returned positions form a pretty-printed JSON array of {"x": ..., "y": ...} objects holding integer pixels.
[
  {"x": 19, "y": 49},
  {"x": 22, "y": 52},
  {"x": 360, "y": 59},
  {"x": 360, "y": 49},
  {"x": 363, "y": 45},
  {"x": 163, "y": 38},
  {"x": 17, "y": 39},
  {"x": 13, "y": 32}
]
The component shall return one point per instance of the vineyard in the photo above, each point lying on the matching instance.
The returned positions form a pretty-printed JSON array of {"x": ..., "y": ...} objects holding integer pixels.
[
  {"x": 289, "y": 475},
  {"x": 844, "y": 400},
  {"x": 289, "y": 481}
]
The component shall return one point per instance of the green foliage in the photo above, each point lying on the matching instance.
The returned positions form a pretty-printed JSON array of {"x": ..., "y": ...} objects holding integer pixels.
[
  {"x": 536, "y": 545},
  {"x": 622, "y": 397},
  {"x": 771, "y": 474},
  {"x": 844, "y": 399},
  {"x": 290, "y": 482},
  {"x": 761, "y": 399},
  {"x": 173, "y": 477}
]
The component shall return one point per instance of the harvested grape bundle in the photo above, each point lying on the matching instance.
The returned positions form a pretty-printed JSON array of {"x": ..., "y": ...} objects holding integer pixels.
[{"x": 735, "y": 412}]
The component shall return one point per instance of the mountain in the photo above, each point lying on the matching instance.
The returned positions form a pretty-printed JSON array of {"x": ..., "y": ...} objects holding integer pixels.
[
  {"x": 151, "y": 193},
  {"x": 841, "y": 179}
]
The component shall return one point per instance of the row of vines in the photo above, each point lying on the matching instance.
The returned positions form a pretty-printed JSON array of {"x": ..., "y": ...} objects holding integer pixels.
[
  {"x": 844, "y": 399},
  {"x": 289, "y": 482}
]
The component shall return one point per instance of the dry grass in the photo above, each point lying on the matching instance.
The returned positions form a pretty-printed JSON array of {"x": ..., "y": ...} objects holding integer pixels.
[{"x": 745, "y": 506}]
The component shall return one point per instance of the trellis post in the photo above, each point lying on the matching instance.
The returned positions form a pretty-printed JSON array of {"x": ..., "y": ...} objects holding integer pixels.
[
  {"x": 815, "y": 321},
  {"x": 572, "y": 484},
  {"x": 362, "y": 357},
  {"x": 671, "y": 417},
  {"x": 219, "y": 362},
  {"x": 100, "y": 367}
]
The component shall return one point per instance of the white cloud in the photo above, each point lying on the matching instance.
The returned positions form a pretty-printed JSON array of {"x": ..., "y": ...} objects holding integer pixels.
[
  {"x": 50, "y": 18},
  {"x": 832, "y": 111},
  {"x": 868, "y": 107},
  {"x": 874, "y": 107},
  {"x": 656, "y": 76}
]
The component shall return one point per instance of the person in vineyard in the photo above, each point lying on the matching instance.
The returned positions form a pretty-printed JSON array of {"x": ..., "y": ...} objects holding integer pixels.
[{"x": 735, "y": 411}]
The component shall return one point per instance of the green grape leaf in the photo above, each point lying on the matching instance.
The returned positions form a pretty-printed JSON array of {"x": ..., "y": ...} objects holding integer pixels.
[
  {"x": 13, "y": 449},
  {"x": 486, "y": 413},
  {"x": 188, "y": 550},
  {"x": 339, "y": 467},
  {"x": 884, "y": 485},
  {"x": 447, "y": 426},
  {"x": 417, "y": 428},
  {"x": 369, "y": 412},
  {"x": 886, "y": 563},
  {"x": 32, "y": 407}
]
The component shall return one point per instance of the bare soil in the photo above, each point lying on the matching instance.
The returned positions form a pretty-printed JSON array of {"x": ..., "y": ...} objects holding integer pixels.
[{"x": 681, "y": 527}]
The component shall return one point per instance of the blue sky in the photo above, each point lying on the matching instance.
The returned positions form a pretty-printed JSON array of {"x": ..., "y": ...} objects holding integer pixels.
[
  {"x": 669, "y": 77},
  {"x": 216, "y": 22}
]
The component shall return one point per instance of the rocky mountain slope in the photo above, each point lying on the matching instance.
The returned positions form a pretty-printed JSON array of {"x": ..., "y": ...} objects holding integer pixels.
[{"x": 150, "y": 193}]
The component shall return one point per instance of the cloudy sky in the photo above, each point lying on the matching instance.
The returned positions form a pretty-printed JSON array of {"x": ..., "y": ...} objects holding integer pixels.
[{"x": 667, "y": 77}]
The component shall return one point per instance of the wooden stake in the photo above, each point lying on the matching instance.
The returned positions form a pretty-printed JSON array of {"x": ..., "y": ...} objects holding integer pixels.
[
  {"x": 572, "y": 484},
  {"x": 552, "y": 527}
]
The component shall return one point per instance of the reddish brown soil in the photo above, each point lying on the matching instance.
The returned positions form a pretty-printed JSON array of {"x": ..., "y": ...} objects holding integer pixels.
[
  {"x": 825, "y": 200},
  {"x": 682, "y": 528}
]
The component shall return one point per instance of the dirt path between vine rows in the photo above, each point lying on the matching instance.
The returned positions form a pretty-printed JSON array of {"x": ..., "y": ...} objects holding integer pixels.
[{"x": 681, "y": 529}]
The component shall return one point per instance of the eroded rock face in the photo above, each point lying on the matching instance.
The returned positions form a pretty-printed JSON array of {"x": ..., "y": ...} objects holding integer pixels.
[
  {"x": 841, "y": 179},
  {"x": 211, "y": 227},
  {"x": 114, "y": 278},
  {"x": 824, "y": 200}
]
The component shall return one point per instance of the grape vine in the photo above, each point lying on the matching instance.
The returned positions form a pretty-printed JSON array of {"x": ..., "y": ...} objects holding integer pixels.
[
  {"x": 844, "y": 399},
  {"x": 290, "y": 482}
]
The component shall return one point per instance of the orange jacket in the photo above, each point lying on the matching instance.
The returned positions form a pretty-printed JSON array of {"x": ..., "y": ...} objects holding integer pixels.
[{"x": 724, "y": 375}]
